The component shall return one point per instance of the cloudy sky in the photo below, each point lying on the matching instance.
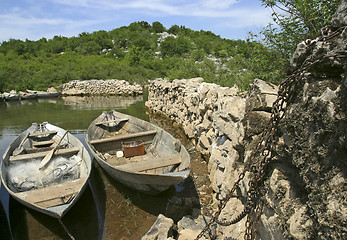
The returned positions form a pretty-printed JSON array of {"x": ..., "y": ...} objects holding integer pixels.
[{"x": 34, "y": 19}]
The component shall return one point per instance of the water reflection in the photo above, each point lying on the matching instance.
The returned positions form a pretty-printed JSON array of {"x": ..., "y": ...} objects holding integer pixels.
[
  {"x": 100, "y": 102},
  {"x": 68, "y": 113}
]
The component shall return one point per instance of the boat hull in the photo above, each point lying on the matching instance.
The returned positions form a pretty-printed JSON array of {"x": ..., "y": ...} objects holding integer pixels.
[
  {"x": 10, "y": 97},
  {"x": 145, "y": 182},
  {"x": 43, "y": 94},
  {"x": 28, "y": 96}
]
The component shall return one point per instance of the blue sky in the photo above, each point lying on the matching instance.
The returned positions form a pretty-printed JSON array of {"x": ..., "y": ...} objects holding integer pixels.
[{"x": 34, "y": 19}]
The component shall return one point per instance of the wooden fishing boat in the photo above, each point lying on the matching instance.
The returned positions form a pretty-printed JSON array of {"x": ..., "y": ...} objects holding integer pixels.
[
  {"x": 46, "y": 168},
  {"x": 10, "y": 96},
  {"x": 138, "y": 154},
  {"x": 44, "y": 94},
  {"x": 27, "y": 95}
]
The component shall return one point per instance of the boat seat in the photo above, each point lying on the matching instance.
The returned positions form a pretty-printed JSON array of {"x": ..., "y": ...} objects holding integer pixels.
[
  {"x": 123, "y": 137},
  {"x": 64, "y": 151},
  {"x": 153, "y": 163},
  {"x": 53, "y": 195},
  {"x": 42, "y": 143},
  {"x": 116, "y": 121},
  {"x": 39, "y": 134}
]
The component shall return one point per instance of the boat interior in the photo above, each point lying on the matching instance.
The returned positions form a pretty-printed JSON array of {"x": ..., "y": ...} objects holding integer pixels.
[
  {"x": 132, "y": 146},
  {"x": 58, "y": 181}
]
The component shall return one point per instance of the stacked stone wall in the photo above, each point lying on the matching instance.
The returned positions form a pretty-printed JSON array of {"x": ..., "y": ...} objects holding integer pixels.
[
  {"x": 221, "y": 122},
  {"x": 226, "y": 125},
  {"x": 100, "y": 87}
]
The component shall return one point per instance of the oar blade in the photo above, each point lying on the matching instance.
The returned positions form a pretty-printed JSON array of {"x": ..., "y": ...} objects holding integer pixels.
[{"x": 46, "y": 159}]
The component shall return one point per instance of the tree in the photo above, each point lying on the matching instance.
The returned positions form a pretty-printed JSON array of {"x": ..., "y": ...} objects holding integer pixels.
[
  {"x": 90, "y": 47},
  {"x": 102, "y": 39},
  {"x": 175, "y": 46},
  {"x": 158, "y": 27},
  {"x": 296, "y": 20},
  {"x": 174, "y": 29}
]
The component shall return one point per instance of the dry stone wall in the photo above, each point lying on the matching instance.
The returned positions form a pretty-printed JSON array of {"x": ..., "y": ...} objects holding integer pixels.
[
  {"x": 305, "y": 188},
  {"x": 221, "y": 122},
  {"x": 201, "y": 108},
  {"x": 100, "y": 87}
]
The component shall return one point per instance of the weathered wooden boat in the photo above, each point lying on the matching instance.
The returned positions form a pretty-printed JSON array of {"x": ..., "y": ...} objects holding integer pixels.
[
  {"x": 44, "y": 94},
  {"x": 46, "y": 168},
  {"x": 10, "y": 96},
  {"x": 138, "y": 154},
  {"x": 27, "y": 95}
]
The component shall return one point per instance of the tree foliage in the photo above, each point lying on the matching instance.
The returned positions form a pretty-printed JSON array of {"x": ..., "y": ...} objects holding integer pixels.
[
  {"x": 296, "y": 20},
  {"x": 158, "y": 27},
  {"x": 135, "y": 53}
]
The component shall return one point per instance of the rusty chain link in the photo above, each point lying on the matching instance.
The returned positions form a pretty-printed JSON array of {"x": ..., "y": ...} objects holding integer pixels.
[{"x": 257, "y": 165}]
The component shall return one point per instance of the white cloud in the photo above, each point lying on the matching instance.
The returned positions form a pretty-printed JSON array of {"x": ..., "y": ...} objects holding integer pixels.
[
  {"x": 201, "y": 8},
  {"x": 217, "y": 4},
  {"x": 45, "y": 18}
]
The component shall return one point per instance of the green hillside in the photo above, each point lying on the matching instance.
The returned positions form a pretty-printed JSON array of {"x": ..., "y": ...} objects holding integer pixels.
[{"x": 136, "y": 53}]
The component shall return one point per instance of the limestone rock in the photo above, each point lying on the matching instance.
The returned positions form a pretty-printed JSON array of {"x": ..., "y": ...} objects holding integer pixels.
[
  {"x": 301, "y": 226},
  {"x": 189, "y": 228},
  {"x": 234, "y": 231},
  {"x": 340, "y": 16},
  {"x": 234, "y": 106},
  {"x": 179, "y": 207},
  {"x": 52, "y": 90},
  {"x": 261, "y": 96},
  {"x": 299, "y": 53},
  {"x": 161, "y": 229},
  {"x": 269, "y": 226}
]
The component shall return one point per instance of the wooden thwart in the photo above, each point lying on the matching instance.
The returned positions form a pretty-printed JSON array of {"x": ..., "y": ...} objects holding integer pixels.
[
  {"x": 53, "y": 195},
  {"x": 43, "y": 143},
  {"x": 72, "y": 150},
  {"x": 117, "y": 121},
  {"x": 38, "y": 134},
  {"x": 123, "y": 137},
  {"x": 156, "y": 162}
]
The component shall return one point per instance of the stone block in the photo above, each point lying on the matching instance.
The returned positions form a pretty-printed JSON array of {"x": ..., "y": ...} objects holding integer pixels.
[{"x": 160, "y": 230}]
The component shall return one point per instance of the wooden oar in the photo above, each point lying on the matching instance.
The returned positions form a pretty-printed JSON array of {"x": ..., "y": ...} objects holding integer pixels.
[
  {"x": 20, "y": 148},
  {"x": 49, "y": 155}
]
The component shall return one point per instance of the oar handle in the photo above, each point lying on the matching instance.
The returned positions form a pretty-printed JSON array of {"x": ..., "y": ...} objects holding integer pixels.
[
  {"x": 49, "y": 155},
  {"x": 56, "y": 146}
]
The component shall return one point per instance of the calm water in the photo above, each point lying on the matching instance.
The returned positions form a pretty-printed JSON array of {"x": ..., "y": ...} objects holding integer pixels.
[{"x": 107, "y": 209}]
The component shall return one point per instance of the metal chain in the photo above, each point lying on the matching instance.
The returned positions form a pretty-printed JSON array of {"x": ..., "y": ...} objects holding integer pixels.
[{"x": 256, "y": 165}]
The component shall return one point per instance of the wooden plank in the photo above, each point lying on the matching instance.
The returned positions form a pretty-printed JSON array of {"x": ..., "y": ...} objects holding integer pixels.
[
  {"x": 72, "y": 150},
  {"x": 123, "y": 137},
  {"x": 56, "y": 201},
  {"x": 152, "y": 163},
  {"x": 36, "y": 150},
  {"x": 112, "y": 121},
  {"x": 53, "y": 195},
  {"x": 43, "y": 143},
  {"x": 38, "y": 134}
]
